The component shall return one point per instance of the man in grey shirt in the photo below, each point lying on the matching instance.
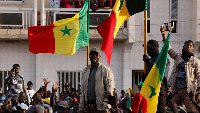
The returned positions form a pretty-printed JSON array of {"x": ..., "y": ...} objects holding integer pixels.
[{"x": 96, "y": 79}]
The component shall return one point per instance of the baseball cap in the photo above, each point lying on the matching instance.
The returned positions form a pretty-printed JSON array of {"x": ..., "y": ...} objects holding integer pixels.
[
  {"x": 140, "y": 83},
  {"x": 63, "y": 104},
  {"x": 94, "y": 49}
]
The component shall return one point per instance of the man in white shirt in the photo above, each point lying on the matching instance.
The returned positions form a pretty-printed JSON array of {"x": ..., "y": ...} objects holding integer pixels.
[{"x": 30, "y": 92}]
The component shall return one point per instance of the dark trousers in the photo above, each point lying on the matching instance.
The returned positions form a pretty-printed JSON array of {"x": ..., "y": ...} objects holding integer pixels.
[
  {"x": 181, "y": 96},
  {"x": 161, "y": 99}
]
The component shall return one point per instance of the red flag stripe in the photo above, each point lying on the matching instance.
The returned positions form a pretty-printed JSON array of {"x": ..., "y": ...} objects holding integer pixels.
[
  {"x": 106, "y": 30},
  {"x": 43, "y": 40}
]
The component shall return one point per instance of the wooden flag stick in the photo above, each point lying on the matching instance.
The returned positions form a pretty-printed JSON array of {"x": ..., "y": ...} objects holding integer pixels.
[{"x": 145, "y": 37}]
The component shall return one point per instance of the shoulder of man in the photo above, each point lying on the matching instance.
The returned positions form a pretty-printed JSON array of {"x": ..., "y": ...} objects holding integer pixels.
[
  {"x": 104, "y": 67},
  {"x": 86, "y": 68}
]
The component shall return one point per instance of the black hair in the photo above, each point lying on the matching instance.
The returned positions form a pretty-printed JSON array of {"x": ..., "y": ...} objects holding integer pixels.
[
  {"x": 29, "y": 83},
  {"x": 14, "y": 65},
  {"x": 189, "y": 41},
  {"x": 153, "y": 42}
]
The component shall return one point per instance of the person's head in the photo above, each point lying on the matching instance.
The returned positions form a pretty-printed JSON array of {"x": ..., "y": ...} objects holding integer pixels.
[
  {"x": 35, "y": 109},
  {"x": 67, "y": 87},
  {"x": 62, "y": 97},
  {"x": 48, "y": 93},
  {"x": 152, "y": 48},
  {"x": 62, "y": 107},
  {"x": 140, "y": 84},
  {"x": 188, "y": 46},
  {"x": 94, "y": 56},
  {"x": 22, "y": 97},
  {"x": 16, "y": 67},
  {"x": 21, "y": 108},
  {"x": 169, "y": 88},
  {"x": 29, "y": 84}
]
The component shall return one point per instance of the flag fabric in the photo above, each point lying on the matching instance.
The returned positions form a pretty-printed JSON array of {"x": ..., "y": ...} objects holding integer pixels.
[
  {"x": 151, "y": 87},
  {"x": 65, "y": 36},
  {"x": 121, "y": 11}
]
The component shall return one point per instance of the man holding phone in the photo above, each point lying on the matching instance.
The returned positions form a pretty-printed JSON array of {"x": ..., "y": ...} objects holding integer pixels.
[{"x": 15, "y": 83}]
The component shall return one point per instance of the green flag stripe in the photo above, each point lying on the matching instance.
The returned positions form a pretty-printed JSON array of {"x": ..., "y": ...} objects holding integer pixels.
[
  {"x": 83, "y": 36},
  {"x": 136, "y": 6},
  {"x": 162, "y": 58}
]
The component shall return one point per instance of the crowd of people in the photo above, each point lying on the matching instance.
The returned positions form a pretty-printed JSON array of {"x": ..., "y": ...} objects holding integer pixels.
[
  {"x": 179, "y": 94},
  {"x": 94, "y": 4}
]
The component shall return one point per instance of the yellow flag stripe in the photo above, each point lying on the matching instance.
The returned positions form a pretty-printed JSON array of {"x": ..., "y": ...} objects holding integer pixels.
[
  {"x": 65, "y": 43},
  {"x": 121, "y": 15},
  {"x": 153, "y": 80}
]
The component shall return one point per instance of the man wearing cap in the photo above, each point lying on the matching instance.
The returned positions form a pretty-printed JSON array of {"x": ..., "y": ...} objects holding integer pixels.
[
  {"x": 96, "y": 79},
  {"x": 185, "y": 76},
  {"x": 140, "y": 84}
]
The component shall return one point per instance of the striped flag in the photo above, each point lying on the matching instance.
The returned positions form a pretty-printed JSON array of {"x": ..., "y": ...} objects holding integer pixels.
[
  {"x": 151, "y": 87},
  {"x": 122, "y": 10},
  {"x": 61, "y": 37}
]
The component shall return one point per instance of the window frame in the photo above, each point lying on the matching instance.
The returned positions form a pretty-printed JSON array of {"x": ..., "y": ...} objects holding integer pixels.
[
  {"x": 140, "y": 72},
  {"x": 170, "y": 16},
  {"x": 13, "y": 2},
  {"x": 3, "y": 74},
  {"x": 71, "y": 77}
]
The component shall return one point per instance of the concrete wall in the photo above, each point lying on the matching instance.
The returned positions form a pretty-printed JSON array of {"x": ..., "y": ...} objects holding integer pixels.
[{"x": 17, "y": 52}]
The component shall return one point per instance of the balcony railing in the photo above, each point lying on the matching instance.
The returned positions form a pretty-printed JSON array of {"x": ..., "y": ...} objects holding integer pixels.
[
  {"x": 55, "y": 14},
  {"x": 22, "y": 18}
]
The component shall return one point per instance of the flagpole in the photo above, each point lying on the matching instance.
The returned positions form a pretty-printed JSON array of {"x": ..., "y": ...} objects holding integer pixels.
[
  {"x": 88, "y": 16},
  {"x": 145, "y": 37},
  {"x": 87, "y": 63}
]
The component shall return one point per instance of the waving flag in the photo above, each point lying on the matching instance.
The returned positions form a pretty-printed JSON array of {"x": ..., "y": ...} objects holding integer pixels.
[
  {"x": 61, "y": 37},
  {"x": 151, "y": 87},
  {"x": 122, "y": 10}
]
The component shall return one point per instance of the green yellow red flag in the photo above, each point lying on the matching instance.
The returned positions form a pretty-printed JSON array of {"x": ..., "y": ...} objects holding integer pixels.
[
  {"x": 65, "y": 36},
  {"x": 121, "y": 11},
  {"x": 151, "y": 87}
]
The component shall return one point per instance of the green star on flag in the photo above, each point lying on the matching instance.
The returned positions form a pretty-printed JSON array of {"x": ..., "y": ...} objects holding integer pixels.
[
  {"x": 66, "y": 31},
  {"x": 153, "y": 93}
]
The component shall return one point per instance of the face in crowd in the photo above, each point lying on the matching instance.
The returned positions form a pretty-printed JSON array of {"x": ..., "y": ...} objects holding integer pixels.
[
  {"x": 94, "y": 57},
  {"x": 188, "y": 47}
]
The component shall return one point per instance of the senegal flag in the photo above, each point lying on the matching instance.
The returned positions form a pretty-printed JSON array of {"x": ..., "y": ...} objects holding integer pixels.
[
  {"x": 61, "y": 37},
  {"x": 151, "y": 87},
  {"x": 122, "y": 10}
]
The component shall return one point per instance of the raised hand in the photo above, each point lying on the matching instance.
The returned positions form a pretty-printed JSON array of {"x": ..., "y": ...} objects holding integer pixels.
[
  {"x": 55, "y": 86},
  {"x": 46, "y": 82},
  {"x": 146, "y": 59},
  {"x": 111, "y": 99}
]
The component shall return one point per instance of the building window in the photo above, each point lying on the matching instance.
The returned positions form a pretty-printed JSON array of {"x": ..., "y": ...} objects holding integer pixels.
[
  {"x": 12, "y": 1},
  {"x": 148, "y": 16},
  {"x": 73, "y": 78},
  {"x": 11, "y": 20},
  {"x": 174, "y": 14},
  {"x": 136, "y": 78},
  {"x": 3, "y": 74}
]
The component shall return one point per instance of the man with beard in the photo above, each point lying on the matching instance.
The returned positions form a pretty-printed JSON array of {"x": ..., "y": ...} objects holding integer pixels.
[
  {"x": 153, "y": 52},
  {"x": 185, "y": 76},
  {"x": 96, "y": 79}
]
